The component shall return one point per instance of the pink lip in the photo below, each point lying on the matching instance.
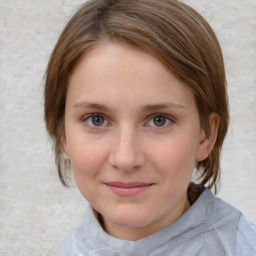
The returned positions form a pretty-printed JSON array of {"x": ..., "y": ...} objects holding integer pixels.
[{"x": 128, "y": 189}]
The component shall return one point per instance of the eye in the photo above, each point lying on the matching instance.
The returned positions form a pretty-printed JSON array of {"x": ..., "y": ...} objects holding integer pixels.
[
  {"x": 160, "y": 120},
  {"x": 95, "y": 120}
]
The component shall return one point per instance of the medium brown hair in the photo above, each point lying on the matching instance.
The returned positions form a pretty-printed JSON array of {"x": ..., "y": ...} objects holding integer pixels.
[{"x": 169, "y": 30}]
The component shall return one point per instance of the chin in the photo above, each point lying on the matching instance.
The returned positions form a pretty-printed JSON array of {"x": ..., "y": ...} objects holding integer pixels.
[{"x": 129, "y": 217}]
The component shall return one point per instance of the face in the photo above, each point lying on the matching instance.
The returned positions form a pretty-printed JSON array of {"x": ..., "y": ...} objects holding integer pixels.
[{"x": 132, "y": 134}]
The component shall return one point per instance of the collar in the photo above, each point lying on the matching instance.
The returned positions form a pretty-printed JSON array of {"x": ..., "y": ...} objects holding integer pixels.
[{"x": 198, "y": 219}]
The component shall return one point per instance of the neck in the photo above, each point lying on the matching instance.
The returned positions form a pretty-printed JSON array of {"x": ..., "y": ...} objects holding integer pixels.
[{"x": 137, "y": 233}]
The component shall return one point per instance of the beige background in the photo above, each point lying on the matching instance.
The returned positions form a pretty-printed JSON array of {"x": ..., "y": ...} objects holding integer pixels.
[{"x": 36, "y": 212}]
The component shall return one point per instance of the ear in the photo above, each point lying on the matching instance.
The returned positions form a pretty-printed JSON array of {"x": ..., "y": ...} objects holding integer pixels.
[
  {"x": 207, "y": 141},
  {"x": 64, "y": 149}
]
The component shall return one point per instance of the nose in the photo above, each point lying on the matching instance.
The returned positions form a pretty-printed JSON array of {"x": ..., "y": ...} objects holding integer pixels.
[{"x": 127, "y": 153}]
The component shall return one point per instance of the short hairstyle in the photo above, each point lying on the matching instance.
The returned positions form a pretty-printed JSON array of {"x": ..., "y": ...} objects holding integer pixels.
[{"x": 173, "y": 32}]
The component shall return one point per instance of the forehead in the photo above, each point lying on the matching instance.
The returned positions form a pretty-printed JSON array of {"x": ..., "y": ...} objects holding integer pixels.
[{"x": 114, "y": 72}]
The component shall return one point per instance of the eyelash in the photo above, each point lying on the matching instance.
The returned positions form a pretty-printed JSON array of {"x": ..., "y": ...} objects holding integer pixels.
[
  {"x": 168, "y": 118},
  {"x": 95, "y": 127}
]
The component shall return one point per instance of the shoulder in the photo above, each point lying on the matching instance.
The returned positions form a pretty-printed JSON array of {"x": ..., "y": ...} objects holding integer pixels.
[
  {"x": 246, "y": 238},
  {"x": 78, "y": 242},
  {"x": 68, "y": 246},
  {"x": 82, "y": 239}
]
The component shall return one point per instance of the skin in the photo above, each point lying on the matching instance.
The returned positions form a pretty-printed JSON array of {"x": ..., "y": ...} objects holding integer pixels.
[{"x": 129, "y": 119}]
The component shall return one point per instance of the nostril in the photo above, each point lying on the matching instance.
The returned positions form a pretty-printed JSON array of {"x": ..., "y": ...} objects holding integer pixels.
[
  {"x": 126, "y": 161},
  {"x": 126, "y": 153}
]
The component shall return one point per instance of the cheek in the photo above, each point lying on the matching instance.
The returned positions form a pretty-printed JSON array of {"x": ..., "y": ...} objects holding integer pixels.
[
  {"x": 87, "y": 158},
  {"x": 175, "y": 158},
  {"x": 86, "y": 162},
  {"x": 174, "y": 154}
]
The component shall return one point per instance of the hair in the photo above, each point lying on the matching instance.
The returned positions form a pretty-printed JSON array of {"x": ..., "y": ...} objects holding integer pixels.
[{"x": 174, "y": 33}]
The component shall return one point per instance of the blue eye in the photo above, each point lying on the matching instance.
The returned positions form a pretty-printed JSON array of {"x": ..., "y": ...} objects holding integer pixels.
[{"x": 159, "y": 121}]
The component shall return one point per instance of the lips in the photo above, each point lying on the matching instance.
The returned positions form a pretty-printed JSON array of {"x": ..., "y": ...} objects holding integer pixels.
[{"x": 128, "y": 189}]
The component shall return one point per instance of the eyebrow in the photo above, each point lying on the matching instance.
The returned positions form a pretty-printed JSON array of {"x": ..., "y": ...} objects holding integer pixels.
[
  {"x": 85, "y": 104},
  {"x": 147, "y": 108},
  {"x": 162, "y": 106}
]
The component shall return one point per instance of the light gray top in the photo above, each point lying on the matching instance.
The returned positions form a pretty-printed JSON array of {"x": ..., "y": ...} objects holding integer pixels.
[
  {"x": 210, "y": 227},
  {"x": 246, "y": 238}
]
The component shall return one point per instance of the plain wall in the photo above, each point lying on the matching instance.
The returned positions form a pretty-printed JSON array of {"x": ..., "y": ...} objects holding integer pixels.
[{"x": 36, "y": 212}]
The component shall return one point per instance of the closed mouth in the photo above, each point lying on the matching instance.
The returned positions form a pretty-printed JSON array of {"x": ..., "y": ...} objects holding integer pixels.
[{"x": 128, "y": 189}]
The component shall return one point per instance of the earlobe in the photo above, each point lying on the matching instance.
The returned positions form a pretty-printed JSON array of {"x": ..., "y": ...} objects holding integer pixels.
[
  {"x": 64, "y": 148},
  {"x": 207, "y": 141},
  {"x": 65, "y": 155}
]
